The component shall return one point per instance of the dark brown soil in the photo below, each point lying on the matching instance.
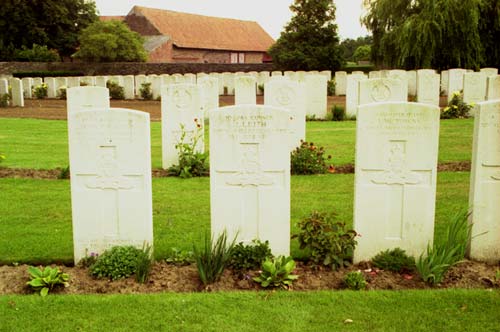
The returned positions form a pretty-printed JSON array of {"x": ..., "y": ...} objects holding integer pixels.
[{"x": 171, "y": 278}]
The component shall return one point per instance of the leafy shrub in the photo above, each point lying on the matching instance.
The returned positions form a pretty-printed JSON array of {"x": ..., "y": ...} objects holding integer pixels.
[
  {"x": 355, "y": 280},
  {"x": 260, "y": 88},
  {"x": 88, "y": 261},
  {"x": 328, "y": 242},
  {"x": 36, "y": 53},
  {"x": 145, "y": 91},
  {"x": 249, "y": 257},
  {"x": 456, "y": 108},
  {"x": 394, "y": 260},
  {"x": 331, "y": 87},
  {"x": 308, "y": 159},
  {"x": 338, "y": 113},
  {"x": 191, "y": 162},
  {"x": 40, "y": 91},
  {"x": 46, "y": 279},
  {"x": 116, "y": 263},
  {"x": 277, "y": 273},
  {"x": 439, "y": 258},
  {"x": 115, "y": 91},
  {"x": 4, "y": 100},
  {"x": 61, "y": 93},
  {"x": 213, "y": 258},
  {"x": 144, "y": 264},
  {"x": 180, "y": 257}
]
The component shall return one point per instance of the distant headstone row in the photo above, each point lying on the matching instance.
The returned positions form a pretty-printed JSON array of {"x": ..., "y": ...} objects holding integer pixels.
[{"x": 395, "y": 178}]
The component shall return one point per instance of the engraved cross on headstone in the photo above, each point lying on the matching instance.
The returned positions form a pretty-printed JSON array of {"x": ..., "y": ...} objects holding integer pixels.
[
  {"x": 108, "y": 183},
  {"x": 250, "y": 177},
  {"x": 396, "y": 177}
]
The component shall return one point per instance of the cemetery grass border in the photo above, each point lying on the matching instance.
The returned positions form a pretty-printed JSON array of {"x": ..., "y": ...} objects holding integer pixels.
[{"x": 428, "y": 310}]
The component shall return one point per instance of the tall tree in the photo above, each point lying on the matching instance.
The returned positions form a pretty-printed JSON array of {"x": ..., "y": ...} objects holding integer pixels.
[
  {"x": 489, "y": 30},
  {"x": 109, "y": 42},
  {"x": 310, "y": 40},
  {"x": 425, "y": 33},
  {"x": 349, "y": 46},
  {"x": 52, "y": 23}
]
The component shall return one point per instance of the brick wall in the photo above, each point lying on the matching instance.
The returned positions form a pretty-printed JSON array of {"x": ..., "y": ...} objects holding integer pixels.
[{"x": 162, "y": 53}]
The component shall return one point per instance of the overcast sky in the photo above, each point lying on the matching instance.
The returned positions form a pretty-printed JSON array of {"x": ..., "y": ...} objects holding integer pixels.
[{"x": 272, "y": 15}]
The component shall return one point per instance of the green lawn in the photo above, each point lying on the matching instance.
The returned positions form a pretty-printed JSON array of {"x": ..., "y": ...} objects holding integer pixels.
[
  {"x": 384, "y": 311},
  {"x": 42, "y": 144},
  {"x": 36, "y": 214}
]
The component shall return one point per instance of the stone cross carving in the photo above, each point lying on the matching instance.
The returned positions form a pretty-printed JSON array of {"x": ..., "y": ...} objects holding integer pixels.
[
  {"x": 250, "y": 177},
  {"x": 110, "y": 182},
  {"x": 397, "y": 177}
]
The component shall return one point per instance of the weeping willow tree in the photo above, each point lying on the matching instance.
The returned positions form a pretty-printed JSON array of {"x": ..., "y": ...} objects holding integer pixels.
[
  {"x": 436, "y": 34},
  {"x": 489, "y": 29}
]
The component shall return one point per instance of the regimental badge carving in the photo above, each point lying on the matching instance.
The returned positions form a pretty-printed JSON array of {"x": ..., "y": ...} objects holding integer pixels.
[
  {"x": 397, "y": 172},
  {"x": 381, "y": 92},
  {"x": 284, "y": 96},
  {"x": 182, "y": 98},
  {"x": 250, "y": 173}
]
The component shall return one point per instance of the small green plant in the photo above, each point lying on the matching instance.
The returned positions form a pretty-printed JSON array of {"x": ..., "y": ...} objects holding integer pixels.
[
  {"x": 145, "y": 91},
  {"x": 331, "y": 87},
  {"x": 44, "y": 280},
  {"x": 355, "y": 280},
  {"x": 311, "y": 117},
  {"x": 115, "y": 90},
  {"x": 277, "y": 273},
  {"x": 191, "y": 162},
  {"x": 64, "y": 174},
  {"x": 327, "y": 241},
  {"x": 61, "y": 93},
  {"x": 4, "y": 100},
  {"x": 246, "y": 257},
  {"x": 88, "y": 260},
  {"x": 260, "y": 88},
  {"x": 394, "y": 260},
  {"x": 116, "y": 263},
  {"x": 144, "y": 264},
  {"x": 456, "y": 108},
  {"x": 213, "y": 258},
  {"x": 180, "y": 257},
  {"x": 308, "y": 159},
  {"x": 338, "y": 113},
  {"x": 435, "y": 262},
  {"x": 40, "y": 91}
]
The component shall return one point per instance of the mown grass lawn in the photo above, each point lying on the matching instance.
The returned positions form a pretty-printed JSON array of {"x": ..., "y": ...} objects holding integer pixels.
[{"x": 43, "y": 144}]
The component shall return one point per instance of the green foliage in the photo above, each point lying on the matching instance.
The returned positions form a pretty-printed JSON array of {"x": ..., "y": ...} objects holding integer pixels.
[
  {"x": 48, "y": 73},
  {"x": 260, "y": 88},
  {"x": 456, "y": 108},
  {"x": 489, "y": 30},
  {"x": 439, "y": 258},
  {"x": 64, "y": 174},
  {"x": 191, "y": 162},
  {"x": 277, "y": 272},
  {"x": 364, "y": 68},
  {"x": 116, "y": 263},
  {"x": 331, "y": 87},
  {"x": 55, "y": 24},
  {"x": 338, "y": 113},
  {"x": 327, "y": 241},
  {"x": 61, "y": 93},
  {"x": 394, "y": 260},
  {"x": 145, "y": 91},
  {"x": 2, "y": 157},
  {"x": 308, "y": 159},
  {"x": 180, "y": 257},
  {"x": 362, "y": 53},
  {"x": 40, "y": 91},
  {"x": 310, "y": 40},
  {"x": 213, "y": 258},
  {"x": 88, "y": 261},
  {"x": 36, "y": 53},
  {"x": 4, "y": 100},
  {"x": 348, "y": 46},
  {"x": 355, "y": 280},
  {"x": 44, "y": 280},
  {"x": 144, "y": 264},
  {"x": 115, "y": 90},
  {"x": 249, "y": 257},
  {"x": 110, "y": 41}
]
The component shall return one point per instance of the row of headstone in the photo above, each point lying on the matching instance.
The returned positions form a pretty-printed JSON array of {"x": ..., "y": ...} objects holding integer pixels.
[{"x": 395, "y": 178}]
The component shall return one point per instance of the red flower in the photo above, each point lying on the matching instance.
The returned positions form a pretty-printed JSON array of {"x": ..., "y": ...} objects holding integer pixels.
[{"x": 331, "y": 169}]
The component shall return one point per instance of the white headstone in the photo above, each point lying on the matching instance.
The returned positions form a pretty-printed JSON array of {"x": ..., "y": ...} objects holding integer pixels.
[
  {"x": 4, "y": 86},
  {"x": 291, "y": 75},
  {"x": 209, "y": 93},
  {"x": 180, "y": 114},
  {"x": 316, "y": 95},
  {"x": 17, "y": 92},
  {"x": 493, "y": 89},
  {"x": 300, "y": 76},
  {"x": 27, "y": 87},
  {"x": 455, "y": 81},
  {"x": 474, "y": 87},
  {"x": 262, "y": 79},
  {"x": 220, "y": 81},
  {"x": 111, "y": 194},
  {"x": 277, "y": 73},
  {"x": 352, "y": 93},
  {"x": 36, "y": 82},
  {"x": 444, "y": 83},
  {"x": 73, "y": 81},
  {"x": 190, "y": 78},
  {"x": 250, "y": 174},
  {"x": 139, "y": 80},
  {"x": 340, "y": 83},
  {"x": 395, "y": 177},
  {"x": 327, "y": 74},
  {"x": 484, "y": 195},
  {"x": 374, "y": 74},
  {"x": 412, "y": 82},
  {"x": 428, "y": 87},
  {"x": 155, "y": 81},
  {"x": 398, "y": 74},
  {"x": 128, "y": 86},
  {"x": 289, "y": 95},
  {"x": 380, "y": 90},
  {"x": 178, "y": 78},
  {"x": 101, "y": 81},
  {"x": 51, "y": 87},
  {"x": 489, "y": 71},
  {"x": 87, "y": 98},
  {"x": 245, "y": 90},
  {"x": 165, "y": 79},
  {"x": 117, "y": 79},
  {"x": 61, "y": 82},
  {"x": 228, "y": 79}
]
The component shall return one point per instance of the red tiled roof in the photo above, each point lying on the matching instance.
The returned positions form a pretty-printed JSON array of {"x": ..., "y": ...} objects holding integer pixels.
[{"x": 207, "y": 32}]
